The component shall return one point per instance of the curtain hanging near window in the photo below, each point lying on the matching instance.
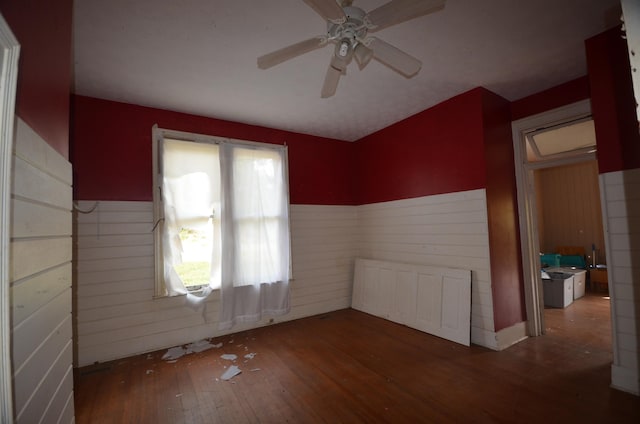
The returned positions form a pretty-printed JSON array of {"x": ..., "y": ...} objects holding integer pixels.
[
  {"x": 255, "y": 234},
  {"x": 234, "y": 197},
  {"x": 191, "y": 195}
]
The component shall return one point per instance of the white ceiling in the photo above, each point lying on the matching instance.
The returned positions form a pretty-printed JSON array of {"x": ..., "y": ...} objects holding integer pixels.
[{"x": 199, "y": 57}]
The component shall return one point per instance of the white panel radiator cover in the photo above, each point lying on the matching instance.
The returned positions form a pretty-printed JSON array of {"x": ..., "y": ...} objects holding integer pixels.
[{"x": 431, "y": 299}]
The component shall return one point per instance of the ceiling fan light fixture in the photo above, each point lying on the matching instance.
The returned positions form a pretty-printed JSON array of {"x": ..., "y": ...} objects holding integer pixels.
[
  {"x": 343, "y": 48},
  {"x": 363, "y": 55}
]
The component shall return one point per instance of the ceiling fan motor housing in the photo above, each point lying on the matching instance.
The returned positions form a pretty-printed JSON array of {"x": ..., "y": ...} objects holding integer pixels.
[{"x": 349, "y": 33}]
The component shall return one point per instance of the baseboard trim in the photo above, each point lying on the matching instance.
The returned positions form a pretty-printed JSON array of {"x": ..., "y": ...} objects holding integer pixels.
[
  {"x": 625, "y": 379},
  {"x": 502, "y": 339}
]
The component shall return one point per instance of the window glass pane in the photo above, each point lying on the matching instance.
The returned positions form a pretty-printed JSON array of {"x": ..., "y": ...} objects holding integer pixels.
[
  {"x": 258, "y": 200},
  {"x": 561, "y": 140},
  {"x": 192, "y": 201},
  {"x": 257, "y": 177}
]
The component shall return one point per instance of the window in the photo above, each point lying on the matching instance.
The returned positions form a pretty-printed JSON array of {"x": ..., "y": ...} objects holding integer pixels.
[
  {"x": 563, "y": 140},
  {"x": 222, "y": 216},
  {"x": 188, "y": 197}
]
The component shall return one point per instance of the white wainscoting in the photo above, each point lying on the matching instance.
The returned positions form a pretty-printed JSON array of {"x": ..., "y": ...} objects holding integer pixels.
[
  {"x": 117, "y": 315},
  {"x": 40, "y": 275},
  {"x": 446, "y": 230},
  {"x": 621, "y": 212},
  {"x": 432, "y": 299}
]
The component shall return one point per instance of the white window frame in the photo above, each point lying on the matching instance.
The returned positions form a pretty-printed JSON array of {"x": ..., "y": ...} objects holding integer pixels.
[
  {"x": 9, "y": 55},
  {"x": 159, "y": 134}
]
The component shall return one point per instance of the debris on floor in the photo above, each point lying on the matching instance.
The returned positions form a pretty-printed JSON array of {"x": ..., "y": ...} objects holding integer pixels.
[
  {"x": 229, "y": 356},
  {"x": 201, "y": 346},
  {"x": 231, "y": 372},
  {"x": 196, "y": 347},
  {"x": 174, "y": 353}
]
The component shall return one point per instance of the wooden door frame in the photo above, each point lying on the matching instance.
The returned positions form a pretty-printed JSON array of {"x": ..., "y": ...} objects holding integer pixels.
[
  {"x": 527, "y": 203},
  {"x": 10, "y": 50}
]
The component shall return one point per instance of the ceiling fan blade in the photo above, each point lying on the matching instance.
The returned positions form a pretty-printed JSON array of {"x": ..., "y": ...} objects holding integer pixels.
[
  {"x": 271, "y": 59},
  {"x": 394, "y": 58},
  {"x": 330, "y": 10},
  {"x": 337, "y": 68},
  {"x": 397, "y": 11}
]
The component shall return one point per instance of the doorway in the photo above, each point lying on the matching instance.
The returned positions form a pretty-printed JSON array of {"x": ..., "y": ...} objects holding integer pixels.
[
  {"x": 530, "y": 157},
  {"x": 571, "y": 233}
]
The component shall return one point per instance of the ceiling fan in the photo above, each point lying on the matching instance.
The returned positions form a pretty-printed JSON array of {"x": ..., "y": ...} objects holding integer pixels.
[{"x": 348, "y": 28}]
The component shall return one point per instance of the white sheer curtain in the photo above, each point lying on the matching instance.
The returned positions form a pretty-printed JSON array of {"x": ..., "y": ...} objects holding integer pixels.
[
  {"x": 234, "y": 197},
  {"x": 191, "y": 198},
  {"x": 255, "y": 234}
]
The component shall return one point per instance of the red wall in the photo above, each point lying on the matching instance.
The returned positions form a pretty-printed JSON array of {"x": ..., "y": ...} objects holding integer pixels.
[
  {"x": 555, "y": 97},
  {"x": 612, "y": 102},
  {"x": 436, "y": 151},
  {"x": 111, "y": 152},
  {"x": 461, "y": 144},
  {"x": 43, "y": 29},
  {"x": 502, "y": 213}
]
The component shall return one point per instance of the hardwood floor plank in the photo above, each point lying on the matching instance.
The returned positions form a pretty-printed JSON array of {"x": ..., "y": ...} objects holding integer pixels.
[{"x": 350, "y": 367}]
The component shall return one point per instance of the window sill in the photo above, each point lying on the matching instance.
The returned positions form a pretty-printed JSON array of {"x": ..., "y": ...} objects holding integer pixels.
[{"x": 195, "y": 292}]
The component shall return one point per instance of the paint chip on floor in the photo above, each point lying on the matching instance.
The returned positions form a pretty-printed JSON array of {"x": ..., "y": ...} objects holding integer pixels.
[
  {"x": 229, "y": 356},
  {"x": 231, "y": 372},
  {"x": 174, "y": 353},
  {"x": 250, "y": 356},
  {"x": 196, "y": 347}
]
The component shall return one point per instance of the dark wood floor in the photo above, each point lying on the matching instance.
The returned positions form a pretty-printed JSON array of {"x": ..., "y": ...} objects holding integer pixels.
[{"x": 349, "y": 367}]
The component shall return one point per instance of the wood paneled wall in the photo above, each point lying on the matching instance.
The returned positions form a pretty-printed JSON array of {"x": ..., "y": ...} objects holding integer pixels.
[
  {"x": 569, "y": 212},
  {"x": 40, "y": 276},
  {"x": 621, "y": 203},
  {"x": 117, "y": 315},
  {"x": 447, "y": 230}
]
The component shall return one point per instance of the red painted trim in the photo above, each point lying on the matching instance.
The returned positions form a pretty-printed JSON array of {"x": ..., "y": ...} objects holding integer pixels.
[
  {"x": 435, "y": 151},
  {"x": 612, "y": 102},
  {"x": 502, "y": 214},
  {"x": 564, "y": 94},
  {"x": 43, "y": 29},
  {"x": 111, "y": 152}
]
